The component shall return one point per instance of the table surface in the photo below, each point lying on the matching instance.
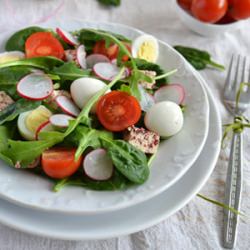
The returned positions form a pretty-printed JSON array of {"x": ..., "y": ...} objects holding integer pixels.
[{"x": 199, "y": 224}]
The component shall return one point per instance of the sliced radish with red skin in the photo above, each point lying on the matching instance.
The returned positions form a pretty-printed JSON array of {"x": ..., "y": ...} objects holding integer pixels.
[
  {"x": 35, "y": 86},
  {"x": 60, "y": 120},
  {"x": 106, "y": 71},
  {"x": 172, "y": 92},
  {"x": 67, "y": 105},
  {"x": 93, "y": 59},
  {"x": 81, "y": 56},
  {"x": 147, "y": 100},
  {"x": 67, "y": 37},
  {"x": 44, "y": 127},
  {"x": 114, "y": 61},
  {"x": 97, "y": 165}
]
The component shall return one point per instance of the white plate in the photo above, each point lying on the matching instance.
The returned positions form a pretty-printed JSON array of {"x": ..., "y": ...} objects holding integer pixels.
[
  {"x": 174, "y": 158},
  {"x": 127, "y": 220}
]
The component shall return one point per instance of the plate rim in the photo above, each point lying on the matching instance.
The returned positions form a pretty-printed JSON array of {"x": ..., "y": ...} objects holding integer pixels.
[{"x": 153, "y": 221}]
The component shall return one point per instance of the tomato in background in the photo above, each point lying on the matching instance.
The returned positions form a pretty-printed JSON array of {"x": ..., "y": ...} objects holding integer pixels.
[
  {"x": 239, "y": 9},
  {"x": 185, "y": 4},
  {"x": 210, "y": 11},
  {"x": 59, "y": 163},
  {"x": 118, "y": 110},
  {"x": 111, "y": 52},
  {"x": 43, "y": 44}
]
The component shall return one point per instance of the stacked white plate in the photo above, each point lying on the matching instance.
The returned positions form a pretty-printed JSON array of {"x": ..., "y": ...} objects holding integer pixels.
[{"x": 182, "y": 166}]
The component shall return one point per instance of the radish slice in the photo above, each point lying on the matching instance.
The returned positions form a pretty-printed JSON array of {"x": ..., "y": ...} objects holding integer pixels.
[
  {"x": 67, "y": 105},
  {"x": 67, "y": 37},
  {"x": 35, "y": 86},
  {"x": 44, "y": 127},
  {"x": 97, "y": 165},
  {"x": 93, "y": 59},
  {"x": 81, "y": 56},
  {"x": 172, "y": 92},
  {"x": 106, "y": 71},
  {"x": 147, "y": 100},
  {"x": 60, "y": 120}
]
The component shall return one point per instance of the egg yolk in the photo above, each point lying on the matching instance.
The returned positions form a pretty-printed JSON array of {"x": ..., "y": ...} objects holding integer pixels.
[
  {"x": 147, "y": 51},
  {"x": 36, "y": 118}
]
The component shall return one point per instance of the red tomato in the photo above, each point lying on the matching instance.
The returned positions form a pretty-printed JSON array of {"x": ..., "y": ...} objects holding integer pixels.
[
  {"x": 118, "y": 110},
  {"x": 59, "y": 163},
  {"x": 185, "y": 4},
  {"x": 209, "y": 11},
  {"x": 239, "y": 9},
  {"x": 43, "y": 44},
  {"x": 111, "y": 52}
]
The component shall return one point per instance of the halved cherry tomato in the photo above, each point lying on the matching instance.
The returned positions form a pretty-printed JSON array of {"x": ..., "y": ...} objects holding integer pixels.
[
  {"x": 43, "y": 44},
  {"x": 185, "y": 4},
  {"x": 118, "y": 110},
  {"x": 209, "y": 11},
  {"x": 239, "y": 9},
  {"x": 111, "y": 52},
  {"x": 59, "y": 163}
]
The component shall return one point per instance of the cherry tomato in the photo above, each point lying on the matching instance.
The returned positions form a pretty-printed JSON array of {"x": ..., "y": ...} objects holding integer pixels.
[
  {"x": 239, "y": 9},
  {"x": 43, "y": 44},
  {"x": 118, "y": 110},
  {"x": 209, "y": 11},
  {"x": 59, "y": 163},
  {"x": 185, "y": 4},
  {"x": 111, "y": 52}
]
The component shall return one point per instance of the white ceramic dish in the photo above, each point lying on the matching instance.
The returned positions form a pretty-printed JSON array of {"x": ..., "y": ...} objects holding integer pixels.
[
  {"x": 174, "y": 158},
  {"x": 127, "y": 220},
  {"x": 204, "y": 29}
]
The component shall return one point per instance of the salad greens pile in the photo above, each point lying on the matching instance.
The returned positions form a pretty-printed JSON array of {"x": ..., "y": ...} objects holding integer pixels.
[{"x": 84, "y": 132}]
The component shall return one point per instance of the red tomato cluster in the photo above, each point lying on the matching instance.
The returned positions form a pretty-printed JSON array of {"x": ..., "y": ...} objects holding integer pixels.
[{"x": 217, "y": 11}]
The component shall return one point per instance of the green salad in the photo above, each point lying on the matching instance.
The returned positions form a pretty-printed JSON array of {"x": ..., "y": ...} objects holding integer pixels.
[{"x": 86, "y": 107}]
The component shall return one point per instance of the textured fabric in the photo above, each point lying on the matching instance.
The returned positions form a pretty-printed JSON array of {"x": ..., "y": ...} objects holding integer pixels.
[{"x": 199, "y": 224}]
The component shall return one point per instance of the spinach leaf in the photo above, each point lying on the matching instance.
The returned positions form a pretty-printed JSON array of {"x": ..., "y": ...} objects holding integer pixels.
[
  {"x": 17, "y": 40},
  {"x": 45, "y": 63},
  {"x": 110, "y": 2},
  {"x": 198, "y": 58},
  {"x": 85, "y": 137},
  {"x": 13, "y": 110},
  {"x": 25, "y": 152},
  {"x": 69, "y": 71},
  {"x": 128, "y": 160},
  {"x": 11, "y": 75},
  {"x": 145, "y": 65},
  {"x": 5, "y": 134},
  {"x": 116, "y": 182}
]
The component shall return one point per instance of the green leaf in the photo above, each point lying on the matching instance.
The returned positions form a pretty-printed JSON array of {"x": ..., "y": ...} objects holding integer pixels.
[
  {"x": 199, "y": 59},
  {"x": 69, "y": 71},
  {"x": 110, "y": 2},
  {"x": 18, "y": 39},
  {"x": 45, "y": 63},
  {"x": 25, "y": 152},
  {"x": 13, "y": 110},
  {"x": 116, "y": 182},
  {"x": 145, "y": 65},
  {"x": 128, "y": 160},
  {"x": 87, "y": 137}
]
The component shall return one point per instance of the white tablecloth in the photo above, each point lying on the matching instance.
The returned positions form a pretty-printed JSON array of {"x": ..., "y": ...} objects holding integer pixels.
[{"x": 199, "y": 224}]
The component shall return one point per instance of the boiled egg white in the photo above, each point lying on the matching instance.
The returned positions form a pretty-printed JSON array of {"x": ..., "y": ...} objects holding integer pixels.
[
  {"x": 164, "y": 118},
  {"x": 145, "y": 47},
  {"x": 83, "y": 89},
  {"x": 11, "y": 56},
  {"x": 28, "y": 122}
]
